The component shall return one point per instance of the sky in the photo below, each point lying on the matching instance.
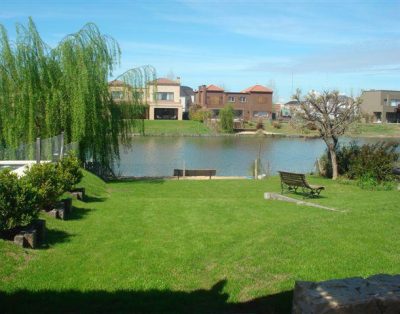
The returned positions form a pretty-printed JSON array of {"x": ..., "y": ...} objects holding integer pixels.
[{"x": 312, "y": 45}]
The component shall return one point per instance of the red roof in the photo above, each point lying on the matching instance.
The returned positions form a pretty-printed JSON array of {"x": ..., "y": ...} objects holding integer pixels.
[
  {"x": 257, "y": 89},
  {"x": 214, "y": 88}
]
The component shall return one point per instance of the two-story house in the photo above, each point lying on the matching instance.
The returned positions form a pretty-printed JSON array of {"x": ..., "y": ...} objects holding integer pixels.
[
  {"x": 384, "y": 105},
  {"x": 165, "y": 99},
  {"x": 251, "y": 103}
]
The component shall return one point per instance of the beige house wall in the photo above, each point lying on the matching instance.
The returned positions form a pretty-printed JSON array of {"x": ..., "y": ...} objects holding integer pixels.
[{"x": 169, "y": 104}]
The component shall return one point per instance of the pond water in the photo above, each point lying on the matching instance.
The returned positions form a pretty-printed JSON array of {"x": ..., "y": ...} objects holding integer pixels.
[{"x": 230, "y": 156}]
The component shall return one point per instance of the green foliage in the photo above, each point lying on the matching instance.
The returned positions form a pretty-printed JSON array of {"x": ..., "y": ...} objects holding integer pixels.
[
  {"x": 226, "y": 116},
  {"x": 49, "y": 183},
  {"x": 371, "y": 164},
  {"x": 18, "y": 201},
  {"x": 197, "y": 113},
  {"x": 69, "y": 171},
  {"x": 44, "y": 91}
]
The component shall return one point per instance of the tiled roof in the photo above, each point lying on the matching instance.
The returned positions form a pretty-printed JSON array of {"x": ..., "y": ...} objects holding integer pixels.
[
  {"x": 214, "y": 88},
  {"x": 257, "y": 89}
]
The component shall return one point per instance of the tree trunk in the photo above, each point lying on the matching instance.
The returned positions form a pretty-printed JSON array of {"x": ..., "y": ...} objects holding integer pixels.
[{"x": 332, "y": 152}]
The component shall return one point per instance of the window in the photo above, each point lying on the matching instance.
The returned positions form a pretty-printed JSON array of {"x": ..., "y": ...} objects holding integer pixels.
[
  {"x": 238, "y": 113},
  {"x": 231, "y": 98},
  {"x": 242, "y": 99},
  {"x": 393, "y": 102},
  {"x": 117, "y": 95},
  {"x": 260, "y": 114},
  {"x": 165, "y": 96}
]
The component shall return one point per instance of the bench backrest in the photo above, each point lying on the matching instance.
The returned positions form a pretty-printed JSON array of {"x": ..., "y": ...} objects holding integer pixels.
[
  {"x": 195, "y": 172},
  {"x": 293, "y": 179}
]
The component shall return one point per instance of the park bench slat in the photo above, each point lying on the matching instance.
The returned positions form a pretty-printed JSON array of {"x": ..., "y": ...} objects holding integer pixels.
[{"x": 292, "y": 181}]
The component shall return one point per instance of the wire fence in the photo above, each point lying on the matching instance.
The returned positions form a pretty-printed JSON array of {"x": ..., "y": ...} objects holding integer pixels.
[{"x": 49, "y": 149}]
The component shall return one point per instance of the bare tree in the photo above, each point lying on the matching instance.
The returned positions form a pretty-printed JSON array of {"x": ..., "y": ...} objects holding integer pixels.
[{"x": 331, "y": 114}]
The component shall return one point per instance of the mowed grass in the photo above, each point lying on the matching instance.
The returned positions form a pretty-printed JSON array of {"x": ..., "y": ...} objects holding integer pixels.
[
  {"x": 174, "y": 127},
  {"x": 198, "y": 246}
]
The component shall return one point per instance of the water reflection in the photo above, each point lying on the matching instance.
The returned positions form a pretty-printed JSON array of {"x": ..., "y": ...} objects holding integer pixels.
[{"x": 230, "y": 156}]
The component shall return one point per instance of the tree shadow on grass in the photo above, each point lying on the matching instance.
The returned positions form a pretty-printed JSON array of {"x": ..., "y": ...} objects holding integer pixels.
[
  {"x": 213, "y": 300},
  {"x": 94, "y": 199},
  {"x": 78, "y": 213},
  {"x": 53, "y": 237}
]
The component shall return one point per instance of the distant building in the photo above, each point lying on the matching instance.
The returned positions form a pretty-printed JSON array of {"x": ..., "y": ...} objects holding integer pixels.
[
  {"x": 163, "y": 98},
  {"x": 252, "y": 103},
  {"x": 288, "y": 108},
  {"x": 384, "y": 105}
]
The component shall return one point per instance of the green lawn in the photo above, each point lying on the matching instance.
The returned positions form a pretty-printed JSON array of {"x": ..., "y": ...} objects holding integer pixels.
[
  {"x": 173, "y": 127},
  {"x": 198, "y": 246}
]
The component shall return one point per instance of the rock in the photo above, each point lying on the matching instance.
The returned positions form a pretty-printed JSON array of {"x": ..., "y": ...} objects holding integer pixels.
[
  {"x": 67, "y": 204},
  {"x": 78, "y": 193},
  {"x": 53, "y": 213},
  {"x": 62, "y": 214},
  {"x": 376, "y": 294},
  {"x": 30, "y": 238},
  {"x": 19, "y": 240}
]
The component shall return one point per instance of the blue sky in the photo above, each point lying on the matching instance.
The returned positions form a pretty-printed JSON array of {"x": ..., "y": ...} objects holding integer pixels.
[{"x": 346, "y": 45}]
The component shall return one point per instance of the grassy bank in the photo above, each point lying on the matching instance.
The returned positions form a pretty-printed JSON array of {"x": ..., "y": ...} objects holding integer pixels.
[
  {"x": 172, "y": 127},
  {"x": 188, "y": 127},
  {"x": 198, "y": 246}
]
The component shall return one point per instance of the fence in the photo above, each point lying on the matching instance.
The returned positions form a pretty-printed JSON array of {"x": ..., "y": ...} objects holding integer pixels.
[{"x": 49, "y": 149}]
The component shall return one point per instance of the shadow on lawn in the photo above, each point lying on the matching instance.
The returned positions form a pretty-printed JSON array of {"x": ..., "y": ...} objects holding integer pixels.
[
  {"x": 78, "y": 213},
  {"x": 54, "y": 236},
  {"x": 151, "y": 301}
]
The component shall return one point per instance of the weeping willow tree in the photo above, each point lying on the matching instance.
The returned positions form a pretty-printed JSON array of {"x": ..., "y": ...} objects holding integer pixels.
[{"x": 45, "y": 91}]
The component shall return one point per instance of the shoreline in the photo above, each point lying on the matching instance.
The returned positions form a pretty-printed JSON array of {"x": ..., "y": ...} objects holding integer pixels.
[{"x": 263, "y": 134}]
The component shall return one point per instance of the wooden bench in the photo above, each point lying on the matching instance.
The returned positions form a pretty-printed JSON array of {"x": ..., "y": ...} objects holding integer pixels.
[
  {"x": 292, "y": 181},
  {"x": 194, "y": 173}
]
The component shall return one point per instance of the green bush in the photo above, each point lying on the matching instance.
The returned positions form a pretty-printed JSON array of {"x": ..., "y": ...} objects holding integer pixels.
[
  {"x": 18, "y": 201},
  {"x": 226, "y": 116},
  {"x": 197, "y": 113},
  {"x": 370, "y": 164},
  {"x": 50, "y": 185},
  {"x": 70, "y": 173}
]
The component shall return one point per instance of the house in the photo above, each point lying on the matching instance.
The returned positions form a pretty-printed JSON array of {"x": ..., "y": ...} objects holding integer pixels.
[
  {"x": 163, "y": 97},
  {"x": 383, "y": 105},
  {"x": 251, "y": 103},
  {"x": 288, "y": 108}
]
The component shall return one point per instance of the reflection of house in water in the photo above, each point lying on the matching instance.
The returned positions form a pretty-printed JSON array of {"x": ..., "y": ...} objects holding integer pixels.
[
  {"x": 250, "y": 104},
  {"x": 383, "y": 105}
]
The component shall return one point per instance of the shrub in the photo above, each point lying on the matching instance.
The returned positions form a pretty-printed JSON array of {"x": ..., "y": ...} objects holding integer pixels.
[
  {"x": 277, "y": 125},
  {"x": 50, "y": 185},
  {"x": 376, "y": 160},
  {"x": 197, "y": 113},
  {"x": 226, "y": 116},
  {"x": 370, "y": 164},
  {"x": 70, "y": 172},
  {"x": 18, "y": 201}
]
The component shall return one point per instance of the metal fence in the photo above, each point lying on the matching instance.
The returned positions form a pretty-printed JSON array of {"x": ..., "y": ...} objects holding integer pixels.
[{"x": 49, "y": 149}]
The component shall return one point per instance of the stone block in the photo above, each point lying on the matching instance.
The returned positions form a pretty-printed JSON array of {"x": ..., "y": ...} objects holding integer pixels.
[
  {"x": 78, "y": 193},
  {"x": 19, "y": 240},
  {"x": 376, "y": 294},
  {"x": 67, "y": 204},
  {"x": 53, "y": 213},
  {"x": 62, "y": 214},
  {"x": 30, "y": 238}
]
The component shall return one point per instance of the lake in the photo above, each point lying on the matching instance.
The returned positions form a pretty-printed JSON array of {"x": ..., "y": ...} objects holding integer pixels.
[{"x": 230, "y": 156}]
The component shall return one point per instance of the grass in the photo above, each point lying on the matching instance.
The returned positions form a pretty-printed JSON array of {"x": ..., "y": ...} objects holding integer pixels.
[
  {"x": 371, "y": 130},
  {"x": 173, "y": 127},
  {"x": 198, "y": 246}
]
